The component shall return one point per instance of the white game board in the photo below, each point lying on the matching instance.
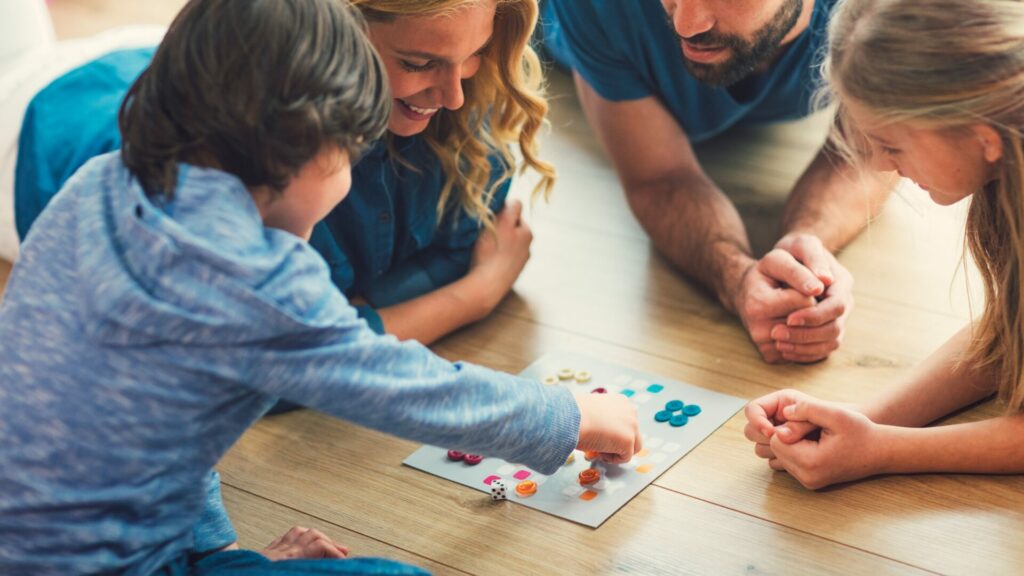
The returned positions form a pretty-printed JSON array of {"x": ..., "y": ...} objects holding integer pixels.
[{"x": 561, "y": 493}]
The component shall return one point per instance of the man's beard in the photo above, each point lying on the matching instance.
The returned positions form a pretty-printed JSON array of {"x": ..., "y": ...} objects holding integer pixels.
[{"x": 747, "y": 55}]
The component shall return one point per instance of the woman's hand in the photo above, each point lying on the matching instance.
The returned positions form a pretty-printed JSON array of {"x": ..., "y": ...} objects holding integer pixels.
[{"x": 499, "y": 257}]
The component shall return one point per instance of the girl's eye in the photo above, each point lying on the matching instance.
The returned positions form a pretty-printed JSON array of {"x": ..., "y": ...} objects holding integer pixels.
[
  {"x": 411, "y": 67},
  {"x": 889, "y": 151}
]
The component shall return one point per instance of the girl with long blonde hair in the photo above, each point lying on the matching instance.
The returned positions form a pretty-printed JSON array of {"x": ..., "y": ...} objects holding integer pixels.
[
  {"x": 934, "y": 90},
  {"x": 406, "y": 246}
]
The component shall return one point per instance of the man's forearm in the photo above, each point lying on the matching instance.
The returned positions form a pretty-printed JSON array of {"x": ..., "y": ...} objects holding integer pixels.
[
  {"x": 835, "y": 201},
  {"x": 695, "y": 226}
]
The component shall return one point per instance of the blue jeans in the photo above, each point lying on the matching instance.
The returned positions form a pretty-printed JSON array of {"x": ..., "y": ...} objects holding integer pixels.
[{"x": 249, "y": 563}]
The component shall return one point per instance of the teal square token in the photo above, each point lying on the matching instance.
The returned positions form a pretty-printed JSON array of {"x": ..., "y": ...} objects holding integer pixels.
[
  {"x": 655, "y": 388},
  {"x": 627, "y": 393}
]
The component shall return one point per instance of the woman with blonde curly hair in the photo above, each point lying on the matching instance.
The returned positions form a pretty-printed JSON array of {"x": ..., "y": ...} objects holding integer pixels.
[
  {"x": 406, "y": 246},
  {"x": 933, "y": 90}
]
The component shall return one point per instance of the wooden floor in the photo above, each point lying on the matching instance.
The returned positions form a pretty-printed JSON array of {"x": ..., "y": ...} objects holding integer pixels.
[{"x": 595, "y": 286}]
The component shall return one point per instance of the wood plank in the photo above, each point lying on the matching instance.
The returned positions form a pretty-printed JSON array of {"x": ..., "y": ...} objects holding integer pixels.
[
  {"x": 352, "y": 477},
  {"x": 265, "y": 520}
]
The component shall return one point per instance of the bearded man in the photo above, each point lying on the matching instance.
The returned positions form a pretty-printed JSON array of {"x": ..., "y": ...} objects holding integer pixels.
[{"x": 655, "y": 78}]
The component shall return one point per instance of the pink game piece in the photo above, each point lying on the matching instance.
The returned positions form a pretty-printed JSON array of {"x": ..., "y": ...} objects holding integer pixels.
[
  {"x": 473, "y": 459},
  {"x": 455, "y": 455}
]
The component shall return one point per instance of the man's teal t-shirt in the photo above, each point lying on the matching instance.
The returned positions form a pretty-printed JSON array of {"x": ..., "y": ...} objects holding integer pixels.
[{"x": 628, "y": 50}]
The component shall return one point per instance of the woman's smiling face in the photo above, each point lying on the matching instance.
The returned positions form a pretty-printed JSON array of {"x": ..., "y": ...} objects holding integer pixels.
[{"x": 427, "y": 58}]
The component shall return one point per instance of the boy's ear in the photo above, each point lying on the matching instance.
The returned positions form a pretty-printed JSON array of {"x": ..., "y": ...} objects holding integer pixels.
[{"x": 991, "y": 142}]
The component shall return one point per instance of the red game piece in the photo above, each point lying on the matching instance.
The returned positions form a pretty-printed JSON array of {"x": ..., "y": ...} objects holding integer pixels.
[
  {"x": 455, "y": 455},
  {"x": 473, "y": 459}
]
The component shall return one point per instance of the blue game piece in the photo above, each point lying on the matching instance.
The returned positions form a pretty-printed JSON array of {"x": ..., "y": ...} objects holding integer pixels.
[
  {"x": 627, "y": 392},
  {"x": 674, "y": 405},
  {"x": 663, "y": 416},
  {"x": 691, "y": 410},
  {"x": 679, "y": 420},
  {"x": 655, "y": 388}
]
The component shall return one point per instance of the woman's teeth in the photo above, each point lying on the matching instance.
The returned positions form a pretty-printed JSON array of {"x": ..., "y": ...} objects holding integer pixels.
[{"x": 418, "y": 110}]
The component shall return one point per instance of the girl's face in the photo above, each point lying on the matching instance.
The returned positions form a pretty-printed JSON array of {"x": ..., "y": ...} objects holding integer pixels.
[
  {"x": 949, "y": 164},
  {"x": 427, "y": 58}
]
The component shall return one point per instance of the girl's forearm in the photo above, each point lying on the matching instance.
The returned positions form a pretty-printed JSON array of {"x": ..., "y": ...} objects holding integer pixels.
[
  {"x": 940, "y": 385},
  {"x": 988, "y": 447}
]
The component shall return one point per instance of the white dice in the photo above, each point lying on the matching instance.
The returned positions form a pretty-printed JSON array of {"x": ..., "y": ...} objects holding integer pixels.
[{"x": 498, "y": 490}]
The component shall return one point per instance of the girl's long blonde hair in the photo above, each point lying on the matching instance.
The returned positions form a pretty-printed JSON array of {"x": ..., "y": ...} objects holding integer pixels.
[
  {"x": 505, "y": 104},
  {"x": 945, "y": 65}
]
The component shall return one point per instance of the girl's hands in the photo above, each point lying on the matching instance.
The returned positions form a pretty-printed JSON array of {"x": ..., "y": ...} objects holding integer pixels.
[
  {"x": 765, "y": 419},
  {"x": 818, "y": 443},
  {"x": 850, "y": 446}
]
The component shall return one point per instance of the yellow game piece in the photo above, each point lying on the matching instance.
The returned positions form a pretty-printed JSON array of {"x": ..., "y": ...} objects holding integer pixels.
[
  {"x": 566, "y": 373},
  {"x": 583, "y": 376},
  {"x": 570, "y": 459},
  {"x": 550, "y": 380}
]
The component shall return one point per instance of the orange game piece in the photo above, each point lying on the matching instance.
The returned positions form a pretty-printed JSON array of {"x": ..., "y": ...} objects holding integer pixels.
[
  {"x": 590, "y": 476},
  {"x": 526, "y": 488},
  {"x": 591, "y": 455}
]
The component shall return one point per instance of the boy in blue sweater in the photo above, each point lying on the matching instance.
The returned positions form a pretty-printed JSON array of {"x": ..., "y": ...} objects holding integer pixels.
[{"x": 171, "y": 298}]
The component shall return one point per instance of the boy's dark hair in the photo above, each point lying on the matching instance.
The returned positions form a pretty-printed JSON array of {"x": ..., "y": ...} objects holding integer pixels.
[{"x": 256, "y": 88}]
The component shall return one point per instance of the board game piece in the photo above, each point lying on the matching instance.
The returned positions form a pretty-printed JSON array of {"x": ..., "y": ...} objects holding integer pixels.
[
  {"x": 663, "y": 416},
  {"x": 473, "y": 459},
  {"x": 526, "y": 488},
  {"x": 583, "y": 376},
  {"x": 691, "y": 410},
  {"x": 673, "y": 405},
  {"x": 455, "y": 455},
  {"x": 590, "y": 456},
  {"x": 679, "y": 420},
  {"x": 566, "y": 374},
  {"x": 551, "y": 380},
  {"x": 589, "y": 476},
  {"x": 561, "y": 494}
]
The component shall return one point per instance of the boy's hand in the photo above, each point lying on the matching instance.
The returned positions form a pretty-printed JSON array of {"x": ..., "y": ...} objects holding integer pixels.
[
  {"x": 501, "y": 256},
  {"x": 608, "y": 425},
  {"x": 850, "y": 447},
  {"x": 304, "y": 543}
]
